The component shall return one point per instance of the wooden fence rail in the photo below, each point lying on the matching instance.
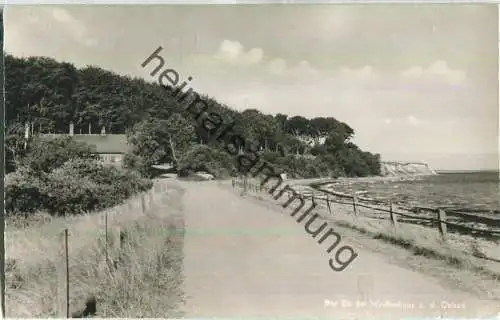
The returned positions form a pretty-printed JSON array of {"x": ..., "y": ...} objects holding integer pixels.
[
  {"x": 440, "y": 219},
  {"x": 114, "y": 242}
]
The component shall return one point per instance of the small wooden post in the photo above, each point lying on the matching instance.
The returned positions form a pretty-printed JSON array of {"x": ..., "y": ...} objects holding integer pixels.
[
  {"x": 123, "y": 238},
  {"x": 63, "y": 278},
  {"x": 442, "y": 223},
  {"x": 394, "y": 219},
  {"x": 149, "y": 201},
  {"x": 106, "y": 237},
  {"x": 115, "y": 246},
  {"x": 328, "y": 203},
  {"x": 354, "y": 204}
]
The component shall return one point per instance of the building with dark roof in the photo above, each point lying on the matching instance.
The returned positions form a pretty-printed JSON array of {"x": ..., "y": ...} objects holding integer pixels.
[{"x": 110, "y": 147}]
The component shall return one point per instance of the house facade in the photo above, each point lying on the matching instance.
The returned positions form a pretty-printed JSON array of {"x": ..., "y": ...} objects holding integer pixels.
[{"x": 111, "y": 148}]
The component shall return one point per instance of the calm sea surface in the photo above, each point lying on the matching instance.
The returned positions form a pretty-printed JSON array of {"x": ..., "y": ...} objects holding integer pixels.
[{"x": 474, "y": 192}]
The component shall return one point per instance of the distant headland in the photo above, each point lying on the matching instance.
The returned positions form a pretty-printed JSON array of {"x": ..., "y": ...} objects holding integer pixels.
[{"x": 403, "y": 169}]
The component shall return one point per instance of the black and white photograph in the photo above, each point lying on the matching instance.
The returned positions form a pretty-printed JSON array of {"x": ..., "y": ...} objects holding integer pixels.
[{"x": 251, "y": 161}]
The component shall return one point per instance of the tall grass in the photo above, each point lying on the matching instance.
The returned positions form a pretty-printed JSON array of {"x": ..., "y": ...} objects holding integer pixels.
[{"x": 145, "y": 283}]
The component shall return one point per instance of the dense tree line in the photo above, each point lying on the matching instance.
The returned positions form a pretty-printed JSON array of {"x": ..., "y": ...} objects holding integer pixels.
[{"x": 52, "y": 94}]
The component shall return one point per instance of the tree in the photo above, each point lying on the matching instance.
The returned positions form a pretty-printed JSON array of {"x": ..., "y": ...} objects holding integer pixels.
[
  {"x": 51, "y": 94},
  {"x": 203, "y": 158},
  {"x": 297, "y": 125},
  {"x": 281, "y": 121},
  {"x": 159, "y": 141},
  {"x": 14, "y": 146},
  {"x": 257, "y": 128}
]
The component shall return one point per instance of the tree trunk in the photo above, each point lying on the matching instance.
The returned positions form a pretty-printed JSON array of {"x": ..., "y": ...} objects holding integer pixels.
[{"x": 172, "y": 149}]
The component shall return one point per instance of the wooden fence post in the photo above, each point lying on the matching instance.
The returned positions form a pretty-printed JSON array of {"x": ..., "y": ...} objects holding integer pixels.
[
  {"x": 149, "y": 201},
  {"x": 394, "y": 218},
  {"x": 328, "y": 203},
  {"x": 442, "y": 223},
  {"x": 106, "y": 237},
  {"x": 354, "y": 202},
  {"x": 123, "y": 238},
  {"x": 63, "y": 278},
  {"x": 119, "y": 237}
]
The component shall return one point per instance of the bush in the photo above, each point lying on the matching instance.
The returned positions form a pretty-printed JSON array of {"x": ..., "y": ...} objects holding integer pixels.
[
  {"x": 77, "y": 186},
  {"x": 217, "y": 162},
  {"x": 47, "y": 155},
  {"x": 67, "y": 193},
  {"x": 23, "y": 192},
  {"x": 135, "y": 162}
]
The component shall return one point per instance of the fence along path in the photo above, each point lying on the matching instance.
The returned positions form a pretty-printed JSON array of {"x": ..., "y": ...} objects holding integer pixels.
[
  {"x": 113, "y": 239},
  {"x": 445, "y": 220}
]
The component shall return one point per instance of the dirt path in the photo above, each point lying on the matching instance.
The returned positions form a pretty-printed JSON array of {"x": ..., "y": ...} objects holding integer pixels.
[{"x": 245, "y": 260}]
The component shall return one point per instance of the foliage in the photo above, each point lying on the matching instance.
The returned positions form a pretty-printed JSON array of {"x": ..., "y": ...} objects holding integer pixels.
[
  {"x": 47, "y": 155},
  {"x": 81, "y": 185},
  {"x": 23, "y": 192},
  {"x": 14, "y": 146},
  {"x": 50, "y": 94},
  {"x": 73, "y": 183},
  {"x": 159, "y": 141},
  {"x": 204, "y": 158}
]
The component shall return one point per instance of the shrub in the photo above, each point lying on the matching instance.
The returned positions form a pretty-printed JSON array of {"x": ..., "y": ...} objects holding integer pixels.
[
  {"x": 77, "y": 186},
  {"x": 217, "y": 162},
  {"x": 67, "y": 193},
  {"x": 23, "y": 192},
  {"x": 47, "y": 155}
]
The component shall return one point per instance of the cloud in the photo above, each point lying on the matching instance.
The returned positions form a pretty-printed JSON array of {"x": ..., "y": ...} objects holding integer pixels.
[
  {"x": 302, "y": 69},
  {"x": 413, "y": 121},
  {"x": 232, "y": 55},
  {"x": 439, "y": 70},
  {"x": 277, "y": 66},
  {"x": 233, "y": 52},
  {"x": 73, "y": 26},
  {"x": 62, "y": 15},
  {"x": 30, "y": 35}
]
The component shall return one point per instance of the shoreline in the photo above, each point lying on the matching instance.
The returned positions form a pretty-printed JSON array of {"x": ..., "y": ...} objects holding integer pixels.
[
  {"x": 366, "y": 187},
  {"x": 345, "y": 180}
]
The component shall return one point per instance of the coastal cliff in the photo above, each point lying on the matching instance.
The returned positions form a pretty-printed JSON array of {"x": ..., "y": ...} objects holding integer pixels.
[{"x": 397, "y": 169}]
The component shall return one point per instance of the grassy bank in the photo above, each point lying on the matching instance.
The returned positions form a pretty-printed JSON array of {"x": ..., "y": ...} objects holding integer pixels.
[{"x": 146, "y": 282}]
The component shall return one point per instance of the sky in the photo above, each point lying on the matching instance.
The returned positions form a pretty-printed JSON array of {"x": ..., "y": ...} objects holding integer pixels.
[{"x": 415, "y": 82}]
